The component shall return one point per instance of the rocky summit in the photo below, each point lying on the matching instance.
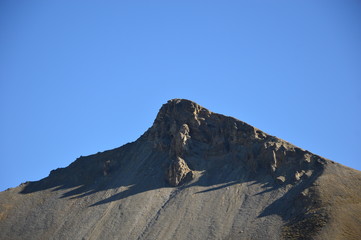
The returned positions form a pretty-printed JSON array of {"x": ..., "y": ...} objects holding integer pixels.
[{"x": 193, "y": 174}]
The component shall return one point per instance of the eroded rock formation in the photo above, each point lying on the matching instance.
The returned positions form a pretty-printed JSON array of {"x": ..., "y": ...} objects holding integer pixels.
[
  {"x": 177, "y": 171},
  {"x": 182, "y": 125}
]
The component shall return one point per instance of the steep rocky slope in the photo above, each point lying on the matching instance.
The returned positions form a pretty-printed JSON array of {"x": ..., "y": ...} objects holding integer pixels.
[{"x": 193, "y": 175}]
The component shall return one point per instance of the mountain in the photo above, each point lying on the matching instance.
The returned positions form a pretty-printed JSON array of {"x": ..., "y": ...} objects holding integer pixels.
[{"x": 193, "y": 174}]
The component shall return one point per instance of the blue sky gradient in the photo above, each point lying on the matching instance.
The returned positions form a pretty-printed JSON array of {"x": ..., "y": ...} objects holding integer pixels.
[{"x": 78, "y": 77}]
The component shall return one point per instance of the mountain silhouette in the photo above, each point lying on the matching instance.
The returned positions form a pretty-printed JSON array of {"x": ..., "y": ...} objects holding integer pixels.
[{"x": 193, "y": 174}]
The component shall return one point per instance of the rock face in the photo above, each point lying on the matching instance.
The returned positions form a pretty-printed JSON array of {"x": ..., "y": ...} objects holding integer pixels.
[
  {"x": 194, "y": 174},
  {"x": 177, "y": 172},
  {"x": 183, "y": 126}
]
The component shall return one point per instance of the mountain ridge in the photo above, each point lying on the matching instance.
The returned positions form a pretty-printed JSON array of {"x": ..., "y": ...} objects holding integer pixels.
[{"x": 221, "y": 177}]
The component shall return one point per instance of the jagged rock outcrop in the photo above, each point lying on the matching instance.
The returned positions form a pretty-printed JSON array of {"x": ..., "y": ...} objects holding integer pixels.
[
  {"x": 178, "y": 171},
  {"x": 222, "y": 179},
  {"x": 182, "y": 125}
]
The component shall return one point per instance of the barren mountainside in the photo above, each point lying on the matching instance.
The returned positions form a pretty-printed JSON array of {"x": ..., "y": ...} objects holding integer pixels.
[{"x": 193, "y": 174}]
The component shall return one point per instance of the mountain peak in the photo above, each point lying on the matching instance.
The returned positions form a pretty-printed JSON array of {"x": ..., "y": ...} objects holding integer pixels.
[
  {"x": 180, "y": 110},
  {"x": 183, "y": 127},
  {"x": 221, "y": 177}
]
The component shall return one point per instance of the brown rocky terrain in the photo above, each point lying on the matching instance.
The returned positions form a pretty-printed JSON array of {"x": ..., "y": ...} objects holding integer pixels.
[{"x": 194, "y": 174}]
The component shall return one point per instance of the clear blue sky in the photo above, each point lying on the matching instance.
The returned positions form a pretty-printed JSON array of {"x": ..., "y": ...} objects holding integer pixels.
[{"x": 78, "y": 77}]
